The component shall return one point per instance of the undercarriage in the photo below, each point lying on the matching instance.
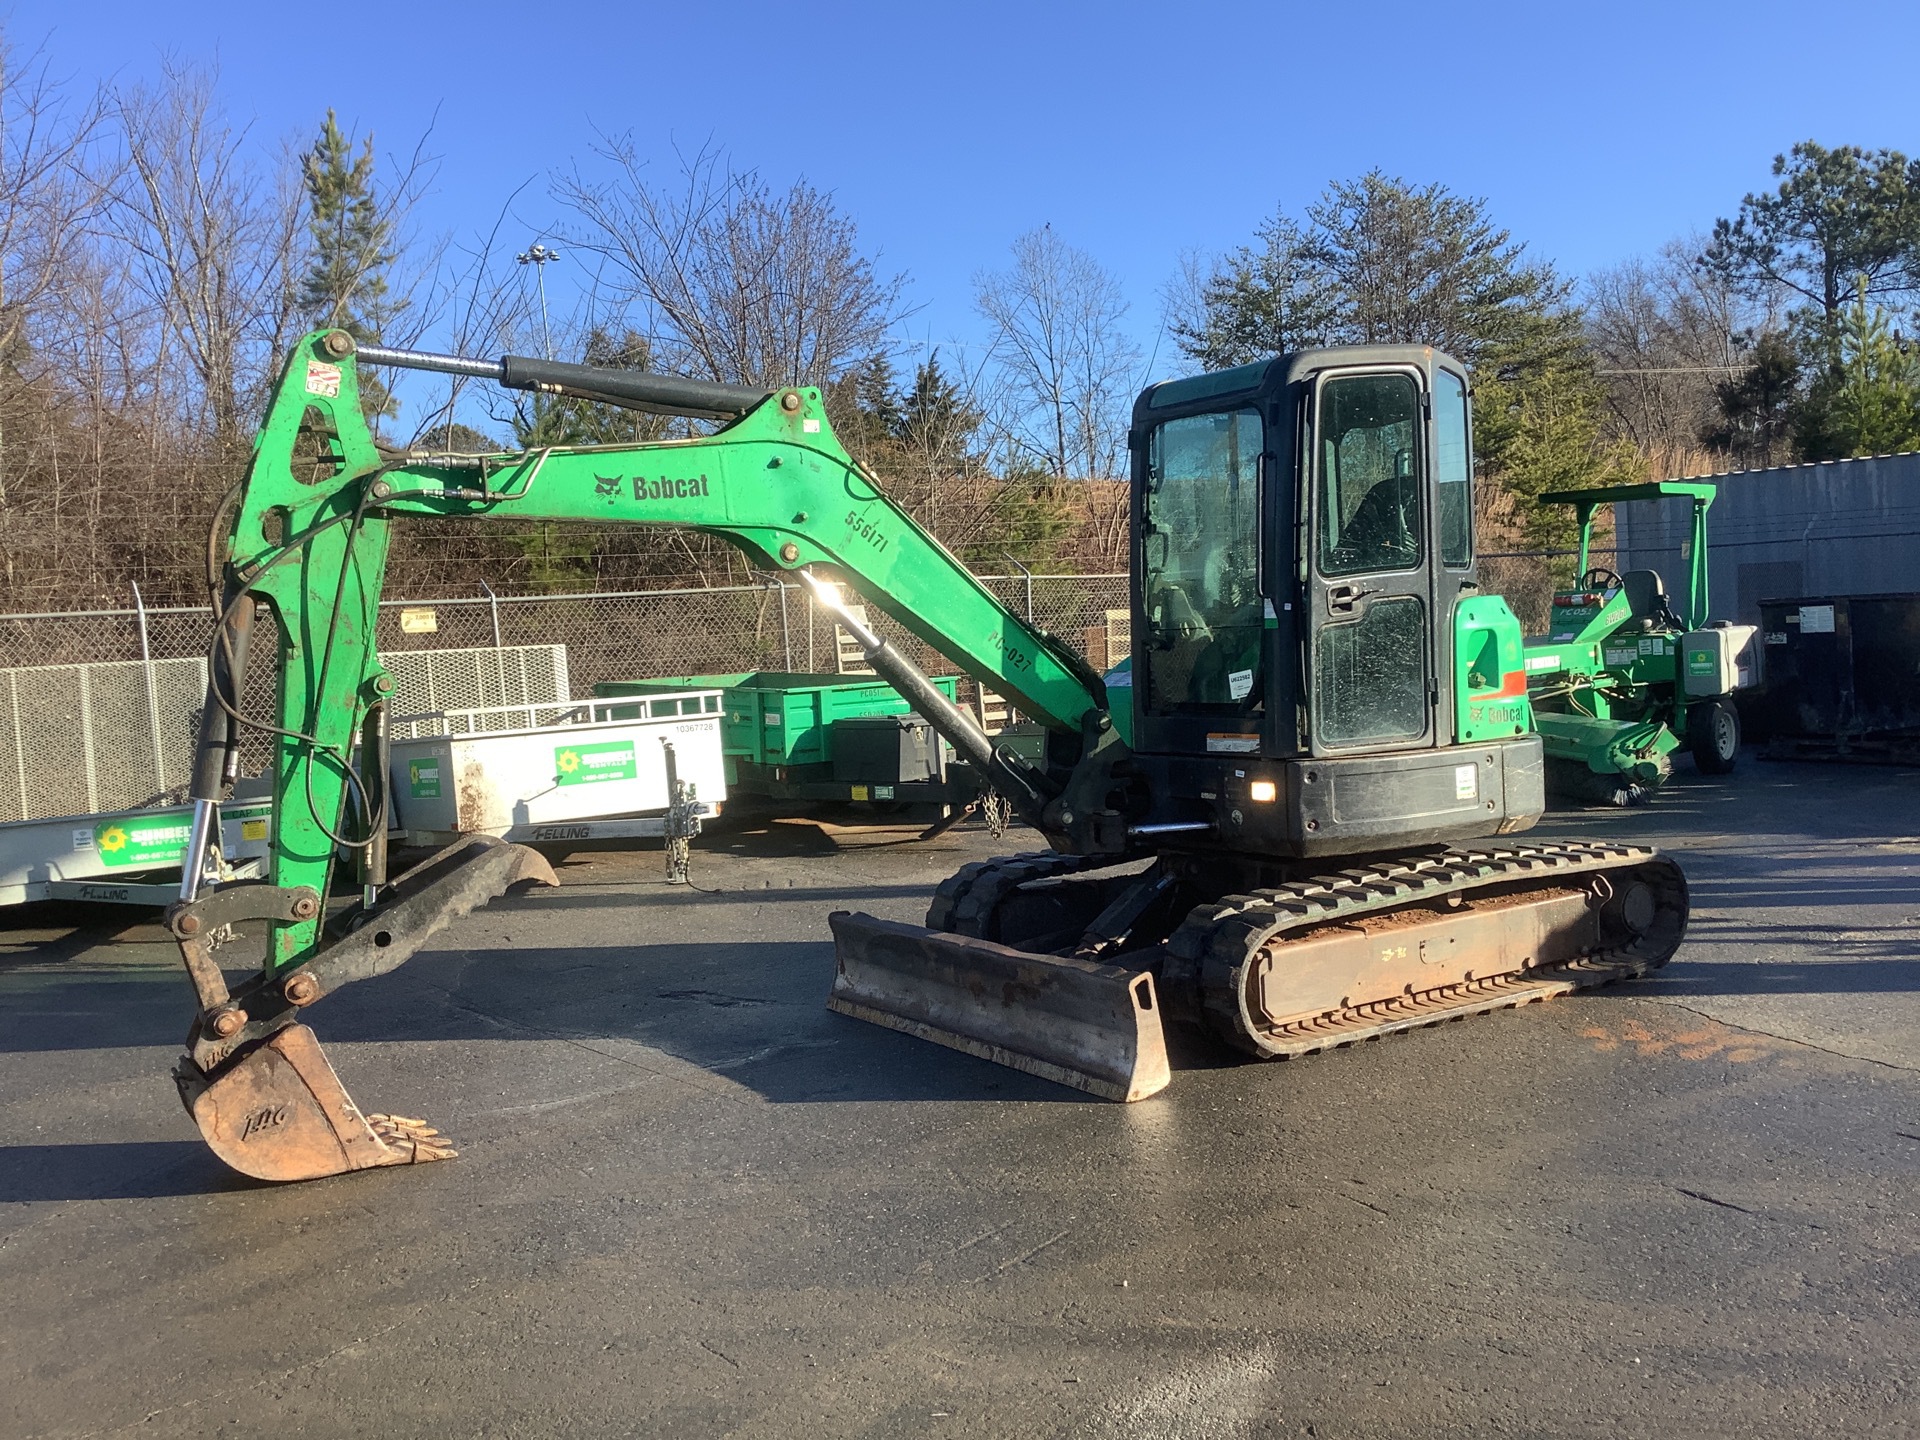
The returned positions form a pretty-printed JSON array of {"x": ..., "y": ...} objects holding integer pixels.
[{"x": 1276, "y": 960}]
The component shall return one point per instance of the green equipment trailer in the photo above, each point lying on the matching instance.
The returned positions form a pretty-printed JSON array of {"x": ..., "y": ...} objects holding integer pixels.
[
  {"x": 795, "y": 737},
  {"x": 1620, "y": 681}
]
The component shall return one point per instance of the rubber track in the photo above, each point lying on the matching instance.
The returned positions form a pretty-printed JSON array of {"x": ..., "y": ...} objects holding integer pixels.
[
  {"x": 1217, "y": 942},
  {"x": 967, "y": 899}
]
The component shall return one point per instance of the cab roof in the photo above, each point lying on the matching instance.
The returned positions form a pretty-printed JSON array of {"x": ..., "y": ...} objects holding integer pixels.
[{"x": 1280, "y": 370}]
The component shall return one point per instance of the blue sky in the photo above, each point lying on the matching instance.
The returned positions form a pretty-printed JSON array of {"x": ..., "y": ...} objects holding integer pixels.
[{"x": 1596, "y": 132}]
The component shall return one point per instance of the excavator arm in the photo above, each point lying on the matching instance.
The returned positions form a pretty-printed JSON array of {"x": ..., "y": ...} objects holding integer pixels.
[{"x": 306, "y": 550}]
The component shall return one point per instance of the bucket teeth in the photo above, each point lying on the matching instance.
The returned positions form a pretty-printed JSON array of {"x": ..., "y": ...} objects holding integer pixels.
[{"x": 419, "y": 1141}]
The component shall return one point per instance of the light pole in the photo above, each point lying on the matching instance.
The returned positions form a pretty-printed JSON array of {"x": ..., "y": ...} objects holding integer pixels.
[{"x": 540, "y": 256}]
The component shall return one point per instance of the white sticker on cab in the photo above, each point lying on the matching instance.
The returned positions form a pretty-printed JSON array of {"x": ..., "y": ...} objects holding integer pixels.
[
  {"x": 1219, "y": 744},
  {"x": 1466, "y": 782}
]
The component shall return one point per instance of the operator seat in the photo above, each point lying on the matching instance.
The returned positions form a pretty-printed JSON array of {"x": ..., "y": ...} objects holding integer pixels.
[
  {"x": 1383, "y": 533},
  {"x": 1647, "y": 598}
]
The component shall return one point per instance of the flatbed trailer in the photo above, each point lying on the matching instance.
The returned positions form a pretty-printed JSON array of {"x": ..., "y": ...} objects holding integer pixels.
[{"x": 124, "y": 856}]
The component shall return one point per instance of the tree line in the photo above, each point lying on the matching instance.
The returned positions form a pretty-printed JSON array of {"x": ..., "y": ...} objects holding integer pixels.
[{"x": 156, "y": 258}]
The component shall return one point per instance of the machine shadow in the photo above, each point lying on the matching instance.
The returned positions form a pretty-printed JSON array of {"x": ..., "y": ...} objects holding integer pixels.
[
  {"x": 753, "y": 1013},
  {"x": 127, "y": 1170}
]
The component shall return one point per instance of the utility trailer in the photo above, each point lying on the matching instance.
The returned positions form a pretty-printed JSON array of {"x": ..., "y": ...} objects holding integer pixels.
[
  {"x": 796, "y": 737},
  {"x": 567, "y": 774},
  {"x": 123, "y": 856}
]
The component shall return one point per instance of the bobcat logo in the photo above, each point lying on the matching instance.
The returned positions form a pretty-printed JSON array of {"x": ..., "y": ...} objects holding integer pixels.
[{"x": 607, "y": 484}]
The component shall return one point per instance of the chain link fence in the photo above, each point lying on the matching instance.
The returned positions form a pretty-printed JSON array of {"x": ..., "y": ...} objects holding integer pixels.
[{"x": 98, "y": 708}]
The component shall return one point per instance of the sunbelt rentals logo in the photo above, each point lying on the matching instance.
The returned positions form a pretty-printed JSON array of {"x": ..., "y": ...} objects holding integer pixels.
[
  {"x": 593, "y": 764},
  {"x": 140, "y": 844}
]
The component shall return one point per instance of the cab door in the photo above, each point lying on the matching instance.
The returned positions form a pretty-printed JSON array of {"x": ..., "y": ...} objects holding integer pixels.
[{"x": 1369, "y": 566}]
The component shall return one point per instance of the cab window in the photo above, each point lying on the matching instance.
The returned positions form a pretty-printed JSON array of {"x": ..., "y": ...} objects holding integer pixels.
[
  {"x": 1452, "y": 469},
  {"x": 1201, "y": 563},
  {"x": 1369, "y": 474}
]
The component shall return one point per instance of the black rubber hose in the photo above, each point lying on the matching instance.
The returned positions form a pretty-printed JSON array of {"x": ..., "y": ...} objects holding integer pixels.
[{"x": 218, "y": 734}]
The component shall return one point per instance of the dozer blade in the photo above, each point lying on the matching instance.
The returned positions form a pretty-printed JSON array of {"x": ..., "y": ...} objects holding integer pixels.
[
  {"x": 1094, "y": 1027},
  {"x": 280, "y": 1113}
]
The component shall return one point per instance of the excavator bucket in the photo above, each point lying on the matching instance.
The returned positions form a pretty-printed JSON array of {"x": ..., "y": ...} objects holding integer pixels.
[
  {"x": 1092, "y": 1026},
  {"x": 268, "y": 1102},
  {"x": 280, "y": 1113}
]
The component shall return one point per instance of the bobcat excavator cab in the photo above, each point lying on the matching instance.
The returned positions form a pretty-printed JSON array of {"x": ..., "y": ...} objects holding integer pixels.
[{"x": 1259, "y": 837}]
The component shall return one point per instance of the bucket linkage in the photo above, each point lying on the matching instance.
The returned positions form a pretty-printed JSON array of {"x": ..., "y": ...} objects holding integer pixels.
[{"x": 254, "y": 1078}]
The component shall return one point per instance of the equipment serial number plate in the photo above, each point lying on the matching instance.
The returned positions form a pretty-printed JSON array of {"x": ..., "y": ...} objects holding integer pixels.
[{"x": 1233, "y": 744}]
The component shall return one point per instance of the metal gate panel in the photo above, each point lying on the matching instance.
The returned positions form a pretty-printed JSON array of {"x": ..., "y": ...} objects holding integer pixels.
[
  {"x": 430, "y": 681},
  {"x": 77, "y": 739}
]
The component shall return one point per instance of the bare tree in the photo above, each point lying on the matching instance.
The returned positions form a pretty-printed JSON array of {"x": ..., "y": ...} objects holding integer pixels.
[
  {"x": 1067, "y": 367},
  {"x": 1665, "y": 333},
  {"x": 215, "y": 240},
  {"x": 473, "y": 297},
  {"x": 731, "y": 280},
  {"x": 48, "y": 195}
]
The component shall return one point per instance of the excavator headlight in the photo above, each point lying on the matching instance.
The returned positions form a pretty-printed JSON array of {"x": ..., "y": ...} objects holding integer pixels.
[{"x": 1264, "y": 792}]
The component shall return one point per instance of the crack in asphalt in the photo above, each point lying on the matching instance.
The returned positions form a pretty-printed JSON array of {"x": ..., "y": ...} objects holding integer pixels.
[
  {"x": 1022, "y": 1259},
  {"x": 1723, "y": 1204},
  {"x": 1775, "y": 1035}
]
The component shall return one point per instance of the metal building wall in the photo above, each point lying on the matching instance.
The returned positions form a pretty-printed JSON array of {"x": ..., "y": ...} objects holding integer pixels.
[{"x": 1841, "y": 527}]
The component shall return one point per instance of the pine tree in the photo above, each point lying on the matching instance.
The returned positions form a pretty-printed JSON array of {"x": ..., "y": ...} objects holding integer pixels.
[
  {"x": 345, "y": 287},
  {"x": 1380, "y": 261},
  {"x": 1867, "y": 400},
  {"x": 933, "y": 420},
  {"x": 1758, "y": 408},
  {"x": 863, "y": 407}
]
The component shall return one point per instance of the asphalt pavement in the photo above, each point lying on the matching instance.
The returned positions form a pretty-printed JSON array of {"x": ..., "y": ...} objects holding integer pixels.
[{"x": 691, "y": 1202}]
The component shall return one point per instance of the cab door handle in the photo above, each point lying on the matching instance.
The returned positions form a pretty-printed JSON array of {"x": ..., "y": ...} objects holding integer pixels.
[{"x": 1342, "y": 598}]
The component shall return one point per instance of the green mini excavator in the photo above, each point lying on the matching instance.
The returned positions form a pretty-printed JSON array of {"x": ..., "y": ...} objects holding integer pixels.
[{"x": 1285, "y": 830}]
